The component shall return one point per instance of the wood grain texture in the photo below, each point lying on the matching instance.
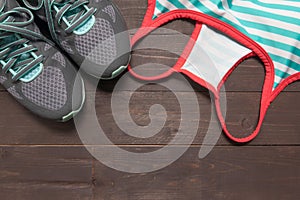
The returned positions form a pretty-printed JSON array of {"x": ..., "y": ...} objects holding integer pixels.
[
  {"x": 40, "y": 159},
  {"x": 281, "y": 125},
  {"x": 227, "y": 173},
  {"x": 45, "y": 173}
]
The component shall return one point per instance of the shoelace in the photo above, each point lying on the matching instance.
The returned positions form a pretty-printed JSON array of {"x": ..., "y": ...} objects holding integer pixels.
[
  {"x": 73, "y": 13},
  {"x": 16, "y": 55}
]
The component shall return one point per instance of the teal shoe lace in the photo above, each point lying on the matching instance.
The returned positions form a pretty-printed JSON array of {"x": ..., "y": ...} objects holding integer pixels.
[
  {"x": 17, "y": 56},
  {"x": 75, "y": 14}
]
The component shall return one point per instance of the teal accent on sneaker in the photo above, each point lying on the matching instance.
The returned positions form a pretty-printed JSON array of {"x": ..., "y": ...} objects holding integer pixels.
[
  {"x": 16, "y": 55},
  {"x": 75, "y": 111},
  {"x": 86, "y": 27},
  {"x": 82, "y": 27}
]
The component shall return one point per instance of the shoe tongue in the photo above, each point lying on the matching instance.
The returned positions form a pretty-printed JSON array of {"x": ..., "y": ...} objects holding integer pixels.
[
  {"x": 9, "y": 4},
  {"x": 36, "y": 5},
  {"x": 33, "y": 3}
]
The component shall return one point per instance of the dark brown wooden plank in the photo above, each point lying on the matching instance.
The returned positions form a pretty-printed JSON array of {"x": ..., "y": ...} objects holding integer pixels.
[
  {"x": 250, "y": 71},
  {"x": 247, "y": 77},
  {"x": 281, "y": 126},
  {"x": 227, "y": 173},
  {"x": 45, "y": 173},
  {"x": 29, "y": 191},
  {"x": 133, "y": 11},
  {"x": 20, "y": 126}
]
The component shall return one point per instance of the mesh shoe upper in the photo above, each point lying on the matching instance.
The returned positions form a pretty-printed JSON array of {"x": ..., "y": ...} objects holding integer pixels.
[
  {"x": 99, "y": 43},
  {"x": 54, "y": 92},
  {"x": 87, "y": 44}
]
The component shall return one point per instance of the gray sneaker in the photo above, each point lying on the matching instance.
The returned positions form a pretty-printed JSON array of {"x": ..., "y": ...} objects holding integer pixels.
[
  {"x": 33, "y": 70},
  {"x": 92, "y": 32}
]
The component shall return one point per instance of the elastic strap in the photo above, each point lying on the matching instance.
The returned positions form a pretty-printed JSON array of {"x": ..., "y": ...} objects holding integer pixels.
[{"x": 143, "y": 32}]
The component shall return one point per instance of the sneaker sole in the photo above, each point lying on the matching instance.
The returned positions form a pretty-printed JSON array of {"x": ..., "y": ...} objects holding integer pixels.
[{"x": 72, "y": 114}]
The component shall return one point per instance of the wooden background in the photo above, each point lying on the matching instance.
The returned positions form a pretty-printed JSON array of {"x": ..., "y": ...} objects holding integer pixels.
[{"x": 40, "y": 159}]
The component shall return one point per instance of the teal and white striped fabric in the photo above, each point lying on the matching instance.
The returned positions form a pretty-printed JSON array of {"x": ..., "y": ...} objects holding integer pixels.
[{"x": 274, "y": 24}]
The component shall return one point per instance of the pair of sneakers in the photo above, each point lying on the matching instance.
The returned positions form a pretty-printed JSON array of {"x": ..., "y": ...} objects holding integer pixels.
[{"x": 90, "y": 33}]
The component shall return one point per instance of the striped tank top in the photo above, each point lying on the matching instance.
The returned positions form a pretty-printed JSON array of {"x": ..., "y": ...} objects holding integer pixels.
[
  {"x": 275, "y": 25},
  {"x": 228, "y": 32}
]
